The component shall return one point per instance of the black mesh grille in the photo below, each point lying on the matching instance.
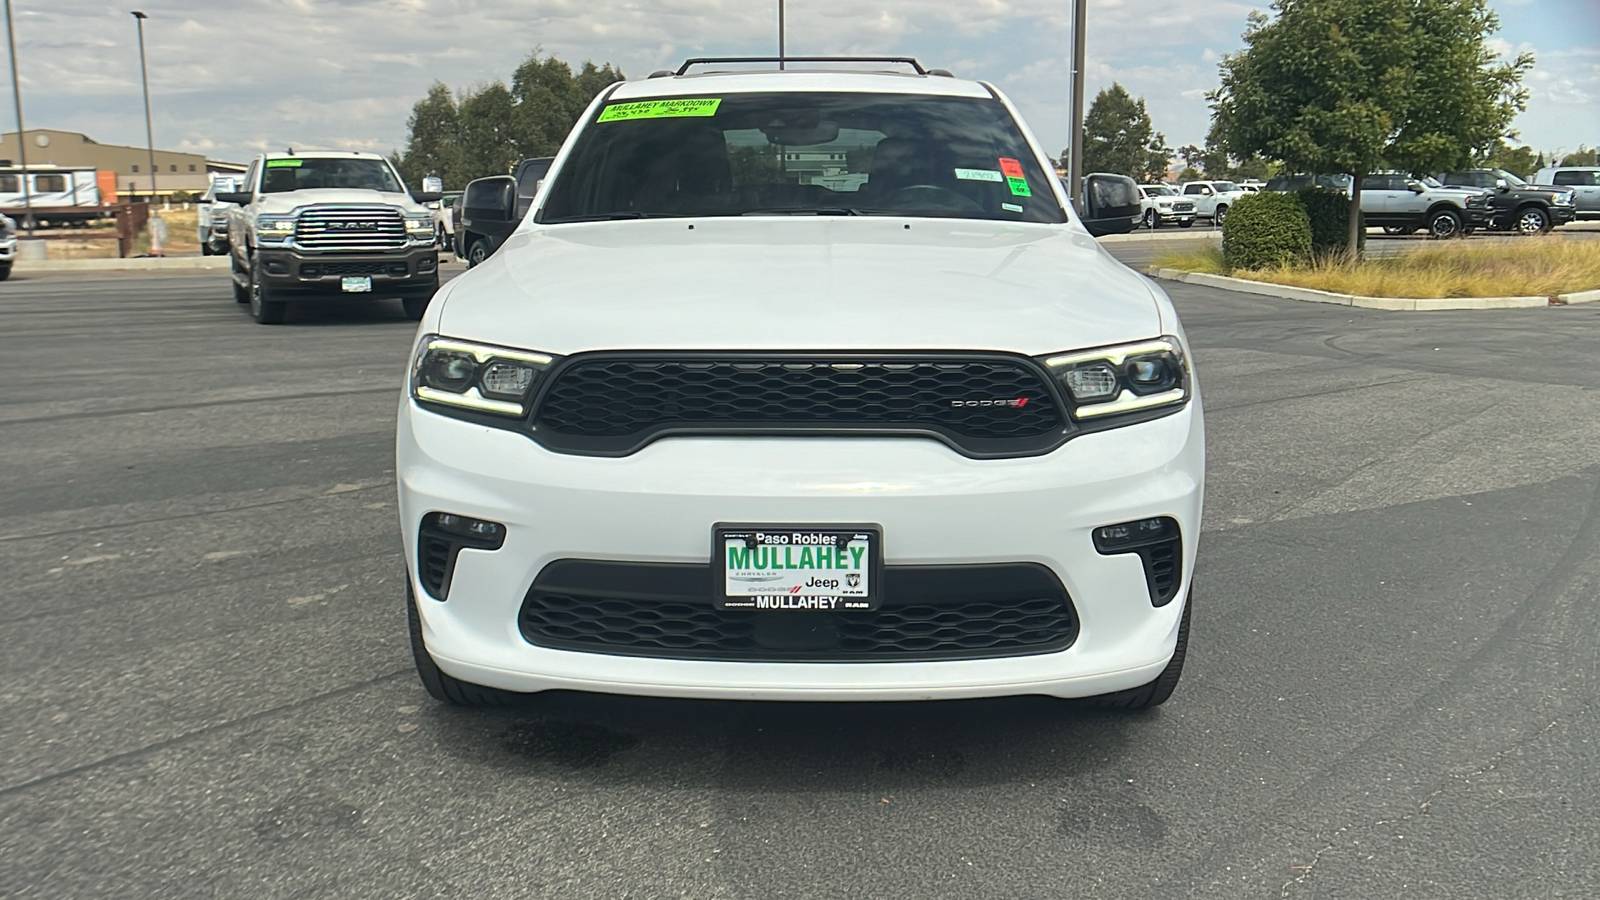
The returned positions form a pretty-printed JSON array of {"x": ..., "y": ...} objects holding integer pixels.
[
  {"x": 374, "y": 267},
  {"x": 984, "y": 404},
  {"x": 435, "y": 556},
  {"x": 947, "y": 622},
  {"x": 1163, "y": 568}
]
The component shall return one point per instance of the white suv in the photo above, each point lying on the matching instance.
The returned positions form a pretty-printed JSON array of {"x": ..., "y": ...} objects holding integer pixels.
[
  {"x": 1213, "y": 198},
  {"x": 800, "y": 385}
]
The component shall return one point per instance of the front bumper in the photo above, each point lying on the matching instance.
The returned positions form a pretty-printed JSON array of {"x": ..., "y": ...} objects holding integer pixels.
[
  {"x": 935, "y": 507},
  {"x": 8, "y": 249},
  {"x": 414, "y": 270}
]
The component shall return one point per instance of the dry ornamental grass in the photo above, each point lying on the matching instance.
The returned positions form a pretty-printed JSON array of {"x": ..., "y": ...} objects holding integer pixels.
[{"x": 1541, "y": 267}]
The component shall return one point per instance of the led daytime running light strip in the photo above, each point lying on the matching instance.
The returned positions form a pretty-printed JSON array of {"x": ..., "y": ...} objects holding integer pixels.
[
  {"x": 470, "y": 401},
  {"x": 1130, "y": 402},
  {"x": 483, "y": 353}
]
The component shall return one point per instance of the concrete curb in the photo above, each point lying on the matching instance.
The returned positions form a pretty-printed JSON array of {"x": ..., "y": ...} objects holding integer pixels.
[
  {"x": 1406, "y": 304},
  {"x": 1580, "y": 297},
  {"x": 137, "y": 264},
  {"x": 1174, "y": 235}
]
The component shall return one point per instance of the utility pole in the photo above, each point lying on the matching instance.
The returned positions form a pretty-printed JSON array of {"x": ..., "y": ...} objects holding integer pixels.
[
  {"x": 149, "y": 131},
  {"x": 1075, "y": 142},
  {"x": 22, "y": 143},
  {"x": 781, "y": 53}
]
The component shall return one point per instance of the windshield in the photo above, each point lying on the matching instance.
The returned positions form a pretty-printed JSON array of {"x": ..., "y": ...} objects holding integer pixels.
[
  {"x": 306, "y": 172},
  {"x": 1430, "y": 181},
  {"x": 1510, "y": 178},
  {"x": 1225, "y": 186},
  {"x": 802, "y": 154},
  {"x": 1159, "y": 190}
]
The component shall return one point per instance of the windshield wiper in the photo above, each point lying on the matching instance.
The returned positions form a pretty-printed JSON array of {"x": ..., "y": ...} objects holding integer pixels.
[
  {"x": 804, "y": 211},
  {"x": 606, "y": 217}
]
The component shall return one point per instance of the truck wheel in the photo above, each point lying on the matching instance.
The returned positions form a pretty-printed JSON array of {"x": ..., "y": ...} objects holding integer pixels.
[
  {"x": 1532, "y": 220},
  {"x": 5, "y": 271},
  {"x": 1151, "y": 219},
  {"x": 1185, "y": 223},
  {"x": 417, "y": 305},
  {"x": 264, "y": 306},
  {"x": 1156, "y": 692},
  {"x": 1399, "y": 230},
  {"x": 1222, "y": 213},
  {"x": 478, "y": 252},
  {"x": 1443, "y": 224}
]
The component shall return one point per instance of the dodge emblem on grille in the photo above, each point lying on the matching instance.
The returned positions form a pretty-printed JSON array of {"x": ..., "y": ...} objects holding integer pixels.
[{"x": 1015, "y": 403}]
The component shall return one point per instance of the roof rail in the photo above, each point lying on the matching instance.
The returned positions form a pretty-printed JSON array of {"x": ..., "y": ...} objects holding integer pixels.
[{"x": 782, "y": 60}]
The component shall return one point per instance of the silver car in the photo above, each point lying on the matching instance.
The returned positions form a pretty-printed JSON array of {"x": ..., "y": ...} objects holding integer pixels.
[{"x": 1583, "y": 181}]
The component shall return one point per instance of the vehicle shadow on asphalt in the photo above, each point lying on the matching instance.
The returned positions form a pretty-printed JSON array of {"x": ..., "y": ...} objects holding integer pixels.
[{"x": 786, "y": 746}]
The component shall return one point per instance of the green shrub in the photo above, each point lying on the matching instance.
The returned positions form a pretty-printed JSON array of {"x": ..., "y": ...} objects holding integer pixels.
[
  {"x": 1265, "y": 230},
  {"x": 1330, "y": 221}
]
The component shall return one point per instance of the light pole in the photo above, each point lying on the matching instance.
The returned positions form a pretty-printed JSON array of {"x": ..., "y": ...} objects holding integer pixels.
[
  {"x": 781, "y": 53},
  {"x": 1075, "y": 141},
  {"x": 22, "y": 144},
  {"x": 149, "y": 131}
]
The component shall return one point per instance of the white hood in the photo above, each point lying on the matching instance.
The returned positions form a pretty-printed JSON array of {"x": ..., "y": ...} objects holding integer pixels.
[
  {"x": 289, "y": 201},
  {"x": 800, "y": 283}
]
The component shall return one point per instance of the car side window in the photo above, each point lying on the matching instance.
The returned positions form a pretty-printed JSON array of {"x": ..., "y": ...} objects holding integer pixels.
[
  {"x": 1573, "y": 177},
  {"x": 1191, "y": 189}
]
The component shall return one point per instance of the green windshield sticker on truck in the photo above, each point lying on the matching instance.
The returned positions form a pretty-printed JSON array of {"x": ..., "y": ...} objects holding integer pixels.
[
  {"x": 660, "y": 109},
  {"x": 1019, "y": 187},
  {"x": 284, "y": 163}
]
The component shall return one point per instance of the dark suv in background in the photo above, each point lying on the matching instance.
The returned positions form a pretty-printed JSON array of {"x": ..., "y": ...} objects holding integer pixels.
[{"x": 1514, "y": 204}]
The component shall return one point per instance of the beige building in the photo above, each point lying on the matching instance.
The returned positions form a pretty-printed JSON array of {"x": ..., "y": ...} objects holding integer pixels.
[{"x": 174, "y": 171}]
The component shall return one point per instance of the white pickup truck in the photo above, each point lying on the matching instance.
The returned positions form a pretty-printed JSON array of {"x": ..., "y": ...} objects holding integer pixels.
[
  {"x": 1212, "y": 198},
  {"x": 316, "y": 224},
  {"x": 1162, "y": 204}
]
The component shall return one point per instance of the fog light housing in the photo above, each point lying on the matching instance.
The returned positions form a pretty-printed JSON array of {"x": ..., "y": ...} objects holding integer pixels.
[
  {"x": 1159, "y": 544},
  {"x": 440, "y": 540}
]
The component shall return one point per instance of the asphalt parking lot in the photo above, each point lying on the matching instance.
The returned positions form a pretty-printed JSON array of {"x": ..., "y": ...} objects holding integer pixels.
[{"x": 206, "y": 688}]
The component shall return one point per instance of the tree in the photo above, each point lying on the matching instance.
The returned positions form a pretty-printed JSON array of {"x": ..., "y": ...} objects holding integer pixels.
[
  {"x": 1583, "y": 156},
  {"x": 486, "y": 130},
  {"x": 1118, "y": 137},
  {"x": 1516, "y": 160},
  {"x": 1354, "y": 86}
]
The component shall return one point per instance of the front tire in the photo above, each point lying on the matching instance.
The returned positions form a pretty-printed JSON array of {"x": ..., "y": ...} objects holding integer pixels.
[
  {"x": 1151, "y": 219},
  {"x": 1399, "y": 230},
  {"x": 1185, "y": 223},
  {"x": 264, "y": 307},
  {"x": 1159, "y": 690},
  {"x": 478, "y": 252},
  {"x": 5, "y": 271},
  {"x": 1532, "y": 220},
  {"x": 1443, "y": 224},
  {"x": 439, "y": 685},
  {"x": 1220, "y": 214}
]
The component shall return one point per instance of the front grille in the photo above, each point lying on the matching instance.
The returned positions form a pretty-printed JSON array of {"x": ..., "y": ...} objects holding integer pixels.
[
  {"x": 375, "y": 267},
  {"x": 928, "y": 613},
  {"x": 351, "y": 228},
  {"x": 982, "y": 404},
  {"x": 1183, "y": 206}
]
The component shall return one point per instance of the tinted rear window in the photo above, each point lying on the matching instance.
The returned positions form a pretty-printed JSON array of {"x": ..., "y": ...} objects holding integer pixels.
[{"x": 803, "y": 153}]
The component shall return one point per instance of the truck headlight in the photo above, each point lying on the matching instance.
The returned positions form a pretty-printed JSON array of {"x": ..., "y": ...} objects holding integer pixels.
[
  {"x": 419, "y": 226},
  {"x": 478, "y": 377},
  {"x": 1566, "y": 198},
  {"x": 274, "y": 228},
  {"x": 1123, "y": 379}
]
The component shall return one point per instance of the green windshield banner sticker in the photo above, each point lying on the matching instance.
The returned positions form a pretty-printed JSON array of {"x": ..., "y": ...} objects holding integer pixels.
[
  {"x": 979, "y": 175},
  {"x": 1019, "y": 187},
  {"x": 284, "y": 163},
  {"x": 1014, "y": 178},
  {"x": 660, "y": 109}
]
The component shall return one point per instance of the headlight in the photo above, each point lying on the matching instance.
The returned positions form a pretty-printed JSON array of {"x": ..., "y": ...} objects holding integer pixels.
[
  {"x": 1127, "y": 378},
  {"x": 1566, "y": 198},
  {"x": 478, "y": 377},
  {"x": 419, "y": 226},
  {"x": 275, "y": 228}
]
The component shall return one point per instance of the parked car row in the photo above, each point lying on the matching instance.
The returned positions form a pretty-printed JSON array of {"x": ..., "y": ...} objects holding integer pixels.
[{"x": 1451, "y": 203}]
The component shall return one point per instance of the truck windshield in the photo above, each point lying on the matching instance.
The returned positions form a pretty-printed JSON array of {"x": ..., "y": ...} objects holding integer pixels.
[
  {"x": 802, "y": 154},
  {"x": 306, "y": 172}
]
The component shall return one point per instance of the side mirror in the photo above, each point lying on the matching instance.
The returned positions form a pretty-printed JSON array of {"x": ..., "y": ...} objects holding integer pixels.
[
  {"x": 425, "y": 196},
  {"x": 1501, "y": 185},
  {"x": 1415, "y": 187},
  {"x": 243, "y": 198},
  {"x": 492, "y": 199},
  {"x": 1110, "y": 204}
]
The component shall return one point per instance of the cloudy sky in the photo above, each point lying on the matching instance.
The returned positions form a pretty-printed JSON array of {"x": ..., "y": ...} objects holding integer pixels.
[{"x": 231, "y": 77}]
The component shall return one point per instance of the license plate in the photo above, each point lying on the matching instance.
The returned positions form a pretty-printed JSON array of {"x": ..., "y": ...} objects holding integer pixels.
[
  {"x": 796, "y": 567},
  {"x": 356, "y": 284}
]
